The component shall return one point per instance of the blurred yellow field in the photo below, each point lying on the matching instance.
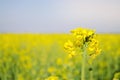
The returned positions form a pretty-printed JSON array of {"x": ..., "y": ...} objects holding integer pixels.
[
  {"x": 59, "y": 39},
  {"x": 39, "y": 56}
]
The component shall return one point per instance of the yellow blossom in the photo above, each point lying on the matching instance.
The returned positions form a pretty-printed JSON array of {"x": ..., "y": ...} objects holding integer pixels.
[
  {"x": 83, "y": 39},
  {"x": 69, "y": 46},
  {"x": 72, "y": 54}
]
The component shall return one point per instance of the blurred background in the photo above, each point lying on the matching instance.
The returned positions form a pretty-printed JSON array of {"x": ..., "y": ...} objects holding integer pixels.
[
  {"x": 59, "y": 16},
  {"x": 33, "y": 34}
]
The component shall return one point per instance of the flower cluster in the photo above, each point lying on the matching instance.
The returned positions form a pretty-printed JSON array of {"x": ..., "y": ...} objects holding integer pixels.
[{"x": 83, "y": 39}]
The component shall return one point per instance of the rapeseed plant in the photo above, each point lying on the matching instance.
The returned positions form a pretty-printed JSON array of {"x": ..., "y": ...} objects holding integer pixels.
[{"x": 85, "y": 43}]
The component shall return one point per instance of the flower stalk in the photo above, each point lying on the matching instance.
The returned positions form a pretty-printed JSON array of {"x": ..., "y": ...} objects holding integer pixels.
[{"x": 83, "y": 66}]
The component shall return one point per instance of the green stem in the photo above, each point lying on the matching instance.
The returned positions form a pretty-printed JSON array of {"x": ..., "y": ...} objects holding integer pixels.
[
  {"x": 91, "y": 75},
  {"x": 83, "y": 66},
  {"x": 91, "y": 72}
]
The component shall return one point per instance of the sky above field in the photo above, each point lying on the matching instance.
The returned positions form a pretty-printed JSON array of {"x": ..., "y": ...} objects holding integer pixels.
[{"x": 59, "y": 16}]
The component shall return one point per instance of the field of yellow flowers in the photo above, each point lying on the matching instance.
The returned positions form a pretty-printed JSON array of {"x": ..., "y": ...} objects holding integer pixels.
[{"x": 42, "y": 57}]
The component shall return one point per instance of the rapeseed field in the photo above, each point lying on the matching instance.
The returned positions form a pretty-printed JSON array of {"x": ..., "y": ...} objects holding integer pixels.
[{"x": 43, "y": 57}]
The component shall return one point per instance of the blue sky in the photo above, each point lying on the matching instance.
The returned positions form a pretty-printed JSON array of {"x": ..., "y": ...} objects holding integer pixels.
[{"x": 59, "y": 16}]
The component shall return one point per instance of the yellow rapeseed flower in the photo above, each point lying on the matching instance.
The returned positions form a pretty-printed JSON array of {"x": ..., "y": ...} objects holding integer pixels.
[
  {"x": 72, "y": 54},
  {"x": 69, "y": 45},
  {"x": 84, "y": 39},
  {"x": 69, "y": 48}
]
